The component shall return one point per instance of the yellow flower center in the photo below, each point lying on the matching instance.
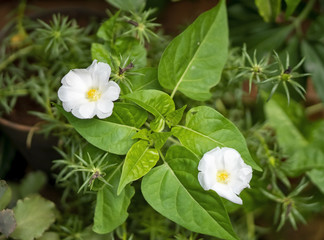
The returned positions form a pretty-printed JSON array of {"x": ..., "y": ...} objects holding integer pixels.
[
  {"x": 93, "y": 94},
  {"x": 222, "y": 176}
]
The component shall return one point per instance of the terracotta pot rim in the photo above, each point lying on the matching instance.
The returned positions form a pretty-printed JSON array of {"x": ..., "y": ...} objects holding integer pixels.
[{"x": 18, "y": 126}]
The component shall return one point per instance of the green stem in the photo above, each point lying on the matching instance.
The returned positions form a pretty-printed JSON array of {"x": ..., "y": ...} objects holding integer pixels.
[
  {"x": 314, "y": 108},
  {"x": 171, "y": 139},
  {"x": 303, "y": 15},
  {"x": 250, "y": 226},
  {"x": 14, "y": 56}
]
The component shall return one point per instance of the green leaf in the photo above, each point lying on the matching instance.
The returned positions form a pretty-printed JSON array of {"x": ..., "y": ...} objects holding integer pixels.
[
  {"x": 50, "y": 236},
  {"x": 156, "y": 102},
  {"x": 145, "y": 78},
  {"x": 127, "y": 47},
  {"x": 139, "y": 161},
  {"x": 159, "y": 139},
  {"x": 108, "y": 136},
  {"x": 268, "y": 9},
  {"x": 111, "y": 209},
  {"x": 317, "y": 178},
  {"x": 173, "y": 190},
  {"x": 33, "y": 182},
  {"x": 291, "y": 6},
  {"x": 206, "y": 129},
  {"x": 107, "y": 29},
  {"x": 281, "y": 117},
  {"x": 173, "y": 118},
  {"x": 193, "y": 61},
  {"x": 128, "y": 114},
  {"x": 128, "y": 5},
  {"x": 314, "y": 63},
  {"x": 130, "y": 47},
  {"x": 157, "y": 125},
  {"x": 5, "y": 194},
  {"x": 33, "y": 216},
  {"x": 303, "y": 160},
  {"x": 143, "y": 134},
  {"x": 7, "y": 222},
  {"x": 100, "y": 52}
]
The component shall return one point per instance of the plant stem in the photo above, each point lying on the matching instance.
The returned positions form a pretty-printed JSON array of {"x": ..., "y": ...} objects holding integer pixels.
[
  {"x": 14, "y": 56},
  {"x": 250, "y": 225},
  {"x": 314, "y": 108}
]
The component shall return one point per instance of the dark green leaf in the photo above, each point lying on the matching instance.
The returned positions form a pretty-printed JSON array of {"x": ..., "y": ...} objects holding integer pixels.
[
  {"x": 108, "y": 136},
  {"x": 194, "y": 60},
  {"x": 128, "y": 114},
  {"x": 317, "y": 178},
  {"x": 138, "y": 162},
  {"x": 173, "y": 190},
  {"x": 111, "y": 209},
  {"x": 206, "y": 129},
  {"x": 314, "y": 63}
]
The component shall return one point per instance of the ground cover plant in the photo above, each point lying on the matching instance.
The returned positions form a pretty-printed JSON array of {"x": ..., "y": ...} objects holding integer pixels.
[{"x": 205, "y": 135}]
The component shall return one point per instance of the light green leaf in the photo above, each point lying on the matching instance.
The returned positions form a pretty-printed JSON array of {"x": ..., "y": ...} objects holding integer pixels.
[
  {"x": 100, "y": 52},
  {"x": 128, "y": 5},
  {"x": 206, "y": 129},
  {"x": 107, "y": 29},
  {"x": 5, "y": 194},
  {"x": 50, "y": 236},
  {"x": 291, "y": 6},
  {"x": 157, "y": 125},
  {"x": 268, "y": 9},
  {"x": 111, "y": 209},
  {"x": 7, "y": 222},
  {"x": 173, "y": 118},
  {"x": 143, "y": 134},
  {"x": 128, "y": 114},
  {"x": 280, "y": 116},
  {"x": 314, "y": 63},
  {"x": 156, "y": 102},
  {"x": 173, "y": 190},
  {"x": 159, "y": 138},
  {"x": 108, "y": 136},
  {"x": 317, "y": 178},
  {"x": 139, "y": 161},
  {"x": 33, "y": 216},
  {"x": 194, "y": 60}
]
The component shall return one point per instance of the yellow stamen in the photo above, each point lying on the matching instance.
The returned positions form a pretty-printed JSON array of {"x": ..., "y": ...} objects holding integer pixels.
[
  {"x": 222, "y": 176},
  {"x": 93, "y": 94}
]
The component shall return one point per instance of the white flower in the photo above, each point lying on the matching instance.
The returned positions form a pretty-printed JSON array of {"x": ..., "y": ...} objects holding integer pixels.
[
  {"x": 224, "y": 171},
  {"x": 88, "y": 92}
]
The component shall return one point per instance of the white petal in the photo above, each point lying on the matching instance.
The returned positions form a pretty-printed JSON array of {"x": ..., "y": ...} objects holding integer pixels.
[
  {"x": 112, "y": 91},
  {"x": 78, "y": 79},
  {"x": 102, "y": 115},
  {"x": 232, "y": 159},
  {"x": 87, "y": 110},
  {"x": 225, "y": 191},
  {"x": 100, "y": 72},
  {"x": 105, "y": 106},
  {"x": 69, "y": 94}
]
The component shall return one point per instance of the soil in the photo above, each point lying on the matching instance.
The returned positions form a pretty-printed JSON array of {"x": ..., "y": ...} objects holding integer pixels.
[{"x": 21, "y": 113}]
